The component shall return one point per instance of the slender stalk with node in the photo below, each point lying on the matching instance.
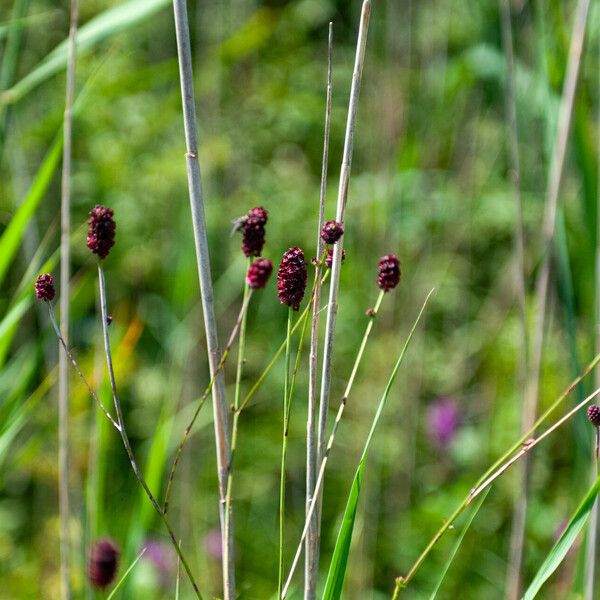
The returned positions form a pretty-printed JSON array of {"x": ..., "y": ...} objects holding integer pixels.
[
  {"x": 338, "y": 250},
  {"x": 519, "y": 449},
  {"x": 311, "y": 567},
  {"x": 65, "y": 294},
  {"x": 220, "y": 410}
]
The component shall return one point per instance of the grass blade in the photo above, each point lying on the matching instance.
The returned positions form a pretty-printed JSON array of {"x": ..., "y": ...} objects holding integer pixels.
[
  {"x": 457, "y": 544},
  {"x": 560, "y": 549},
  {"x": 125, "y": 575},
  {"x": 339, "y": 560},
  {"x": 106, "y": 24}
]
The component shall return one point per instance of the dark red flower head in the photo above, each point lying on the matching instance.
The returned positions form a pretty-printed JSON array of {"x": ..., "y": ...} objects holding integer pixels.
[
  {"x": 332, "y": 231},
  {"x": 101, "y": 231},
  {"x": 258, "y": 273},
  {"x": 593, "y": 413},
  {"x": 44, "y": 287},
  {"x": 103, "y": 563},
  {"x": 291, "y": 278},
  {"x": 388, "y": 273},
  {"x": 253, "y": 231},
  {"x": 329, "y": 258}
]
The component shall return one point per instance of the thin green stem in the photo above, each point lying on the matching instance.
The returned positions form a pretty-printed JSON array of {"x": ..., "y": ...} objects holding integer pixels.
[
  {"x": 286, "y": 416},
  {"x": 204, "y": 397},
  {"x": 236, "y": 415},
  {"x": 123, "y": 432},
  {"x": 321, "y": 474},
  {"x": 499, "y": 466},
  {"x": 303, "y": 316}
]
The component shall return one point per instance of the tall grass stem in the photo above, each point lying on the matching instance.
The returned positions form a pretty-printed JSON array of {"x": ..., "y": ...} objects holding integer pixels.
[
  {"x": 342, "y": 200},
  {"x": 311, "y": 568},
  {"x": 220, "y": 410}
]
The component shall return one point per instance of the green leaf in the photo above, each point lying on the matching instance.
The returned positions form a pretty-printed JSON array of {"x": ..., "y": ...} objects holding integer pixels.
[
  {"x": 13, "y": 234},
  {"x": 122, "y": 580},
  {"x": 339, "y": 560},
  {"x": 110, "y": 22},
  {"x": 457, "y": 544},
  {"x": 566, "y": 540}
]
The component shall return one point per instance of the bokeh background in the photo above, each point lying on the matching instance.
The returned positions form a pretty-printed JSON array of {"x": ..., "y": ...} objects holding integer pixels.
[{"x": 430, "y": 183}]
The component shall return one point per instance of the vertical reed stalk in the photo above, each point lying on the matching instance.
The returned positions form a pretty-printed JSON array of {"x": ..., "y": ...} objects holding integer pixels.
[
  {"x": 123, "y": 431},
  {"x": 286, "y": 417},
  {"x": 206, "y": 292},
  {"x": 236, "y": 414},
  {"x": 542, "y": 283},
  {"x": 338, "y": 248},
  {"x": 311, "y": 569},
  {"x": 323, "y": 464},
  {"x": 513, "y": 580},
  {"x": 65, "y": 276},
  {"x": 593, "y": 526}
]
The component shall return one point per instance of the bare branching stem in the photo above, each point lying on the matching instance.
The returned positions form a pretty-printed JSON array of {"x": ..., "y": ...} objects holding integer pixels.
[
  {"x": 220, "y": 410},
  {"x": 240, "y": 320},
  {"x": 338, "y": 248},
  {"x": 236, "y": 404},
  {"x": 65, "y": 277},
  {"x": 499, "y": 466},
  {"x": 311, "y": 568},
  {"x": 124, "y": 436}
]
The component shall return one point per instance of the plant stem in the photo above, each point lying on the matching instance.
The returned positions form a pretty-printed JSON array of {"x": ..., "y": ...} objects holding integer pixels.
[
  {"x": 220, "y": 410},
  {"x": 65, "y": 293},
  {"x": 236, "y": 414},
  {"x": 203, "y": 398},
  {"x": 319, "y": 481},
  {"x": 505, "y": 461},
  {"x": 590, "y": 551},
  {"x": 338, "y": 248},
  {"x": 123, "y": 432},
  {"x": 77, "y": 369},
  {"x": 311, "y": 568},
  {"x": 301, "y": 319},
  {"x": 286, "y": 409}
]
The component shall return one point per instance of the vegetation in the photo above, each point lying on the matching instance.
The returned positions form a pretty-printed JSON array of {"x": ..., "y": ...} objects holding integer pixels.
[{"x": 435, "y": 180}]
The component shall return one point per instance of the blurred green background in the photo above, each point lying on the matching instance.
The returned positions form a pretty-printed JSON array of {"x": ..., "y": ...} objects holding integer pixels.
[{"x": 430, "y": 183}]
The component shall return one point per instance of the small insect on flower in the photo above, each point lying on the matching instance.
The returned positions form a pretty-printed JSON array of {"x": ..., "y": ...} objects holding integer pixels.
[
  {"x": 291, "y": 278},
  {"x": 331, "y": 232},
  {"x": 258, "y": 273},
  {"x": 103, "y": 563},
  {"x": 329, "y": 258},
  {"x": 101, "y": 231},
  {"x": 44, "y": 287},
  {"x": 593, "y": 413},
  {"x": 253, "y": 230},
  {"x": 388, "y": 272}
]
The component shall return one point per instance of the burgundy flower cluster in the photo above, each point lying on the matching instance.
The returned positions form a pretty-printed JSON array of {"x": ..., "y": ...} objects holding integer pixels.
[
  {"x": 253, "y": 231},
  {"x": 331, "y": 232},
  {"x": 44, "y": 287},
  {"x": 103, "y": 563},
  {"x": 101, "y": 231},
  {"x": 258, "y": 273},
  {"x": 388, "y": 272},
  {"x": 329, "y": 258},
  {"x": 593, "y": 413},
  {"x": 291, "y": 278}
]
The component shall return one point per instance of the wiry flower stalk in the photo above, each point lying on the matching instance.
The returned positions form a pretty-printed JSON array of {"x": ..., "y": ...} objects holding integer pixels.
[
  {"x": 311, "y": 568},
  {"x": 220, "y": 410},
  {"x": 338, "y": 248}
]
